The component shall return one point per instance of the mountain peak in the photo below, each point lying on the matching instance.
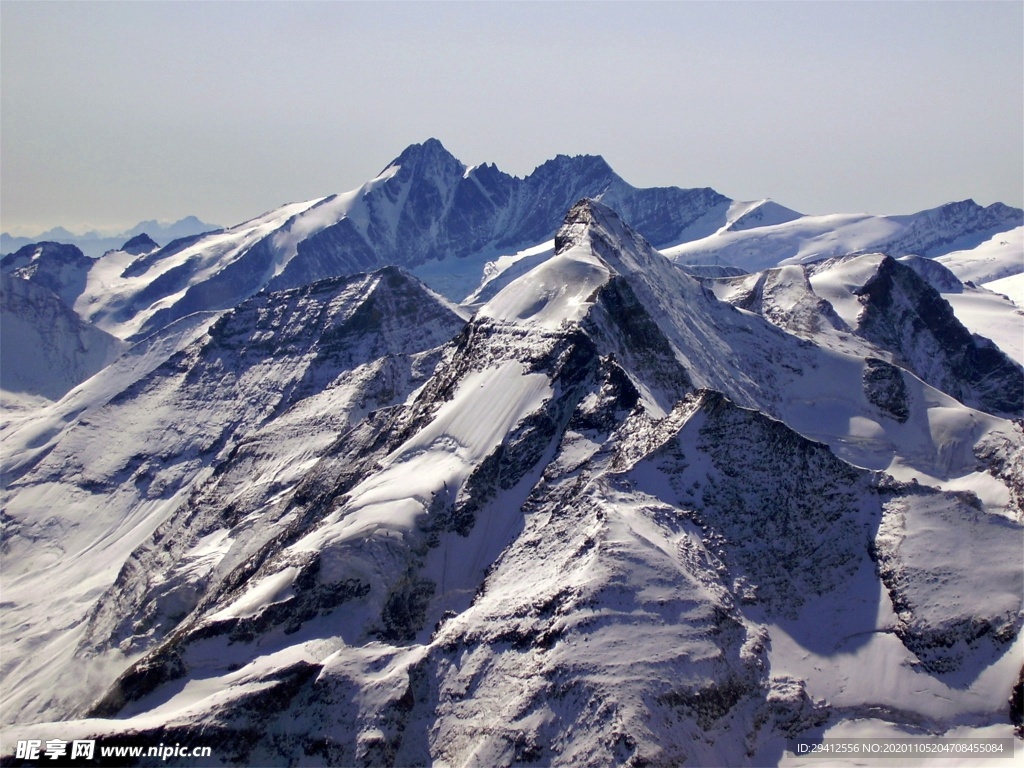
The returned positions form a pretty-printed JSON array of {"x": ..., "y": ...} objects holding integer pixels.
[
  {"x": 45, "y": 251},
  {"x": 141, "y": 243},
  {"x": 579, "y": 166},
  {"x": 430, "y": 153},
  {"x": 584, "y": 215}
]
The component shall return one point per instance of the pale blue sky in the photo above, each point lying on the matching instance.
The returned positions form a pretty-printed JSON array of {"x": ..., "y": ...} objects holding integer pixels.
[{"x": 115, "y": 112}]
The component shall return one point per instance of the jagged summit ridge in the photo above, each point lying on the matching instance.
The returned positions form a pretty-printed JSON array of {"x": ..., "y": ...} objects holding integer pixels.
[
  {"x": 426, "y": 163},
  {"x": 425, "y": 208},
  {"x": 428, "y": 212},
  {"x": 608, "y": 519},
  {"x": 623, "y": 519}
]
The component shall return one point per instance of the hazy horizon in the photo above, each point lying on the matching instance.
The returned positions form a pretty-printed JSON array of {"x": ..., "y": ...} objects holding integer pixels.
[{"x": 114, "y": 113}]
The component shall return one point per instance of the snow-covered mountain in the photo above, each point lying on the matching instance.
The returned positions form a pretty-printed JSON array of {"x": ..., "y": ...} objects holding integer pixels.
[
  {"x": 876, "y": 306},
  {"x": 608, "y": 519},
  {"x": 800, "y": 239},
  {"x": 45, "y": 348},
  {"x": 459, "y": 227},
  {"x": 61, "y": 269},
  {"x": 95, "y": 244},
  {"x": 425, "y": 209}
]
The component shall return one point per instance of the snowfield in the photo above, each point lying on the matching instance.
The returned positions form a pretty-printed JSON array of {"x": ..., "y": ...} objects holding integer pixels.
[{"x": 605, "y": 512}]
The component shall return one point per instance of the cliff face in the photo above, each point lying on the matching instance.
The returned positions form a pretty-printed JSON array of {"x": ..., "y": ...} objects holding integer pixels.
[
  {"x": 609, "y": 519},
  {"x": 889, "y": 311}
]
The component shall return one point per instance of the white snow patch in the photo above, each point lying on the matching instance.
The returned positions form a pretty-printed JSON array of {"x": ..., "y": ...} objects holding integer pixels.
[
  {"x": 986, "y": 312},
  {"x": 558, "y": 291},
  {"x": 275, "y": 588},
  {"x": 1000, "y": 256}
]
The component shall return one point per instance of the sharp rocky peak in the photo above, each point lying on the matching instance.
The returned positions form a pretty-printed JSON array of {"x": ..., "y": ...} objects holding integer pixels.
[
  {"x": 431, "y": 154},
  {"x": 577, "y": 164},
  {"x": 583, "y": 217}
]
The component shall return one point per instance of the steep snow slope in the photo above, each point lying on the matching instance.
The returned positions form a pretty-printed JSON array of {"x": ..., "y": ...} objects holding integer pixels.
[
  {"x": 930, "y": 233},
  {"x": 27, "y": 436},
  {"x": 596, "y": 532},
  {"x": 45, "y": 348},
  {"x": 270, "y": 384},
  {"x": 134, "y": 296},
  {"x": 874, "y": 306}
]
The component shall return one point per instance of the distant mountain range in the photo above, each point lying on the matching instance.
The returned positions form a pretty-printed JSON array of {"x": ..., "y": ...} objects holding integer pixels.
[
  {"x": 460, "y": 468},
  {"x": 95, "y": 244},
  {"x": 451, "y": 225}
]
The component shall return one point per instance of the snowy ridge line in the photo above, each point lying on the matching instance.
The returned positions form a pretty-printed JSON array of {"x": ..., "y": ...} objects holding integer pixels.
[
  {"x": 610, "y": 519},
  {"x": 426, "y": 211}
]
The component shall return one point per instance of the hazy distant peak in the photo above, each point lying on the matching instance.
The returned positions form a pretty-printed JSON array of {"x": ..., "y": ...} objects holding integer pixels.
[{"x": 56, "y": 234}]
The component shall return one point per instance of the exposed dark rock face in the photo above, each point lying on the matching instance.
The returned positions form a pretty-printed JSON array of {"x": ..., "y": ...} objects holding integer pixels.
[
  {"x": 884, "y": 387},
  {"x": 768, "y": 518},
  {"x": 62, "y": 269},
  {"x": 141, "y": 243},
  {"x": 963, "y": 224},
  {"x": 905, "y": 315}
]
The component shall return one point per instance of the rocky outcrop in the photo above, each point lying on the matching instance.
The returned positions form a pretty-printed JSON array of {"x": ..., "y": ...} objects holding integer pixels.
[
  {"x": 366, "y": 531},
  {"x": 140, "y": 244},
  {"x": 908, "y": 317}
]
